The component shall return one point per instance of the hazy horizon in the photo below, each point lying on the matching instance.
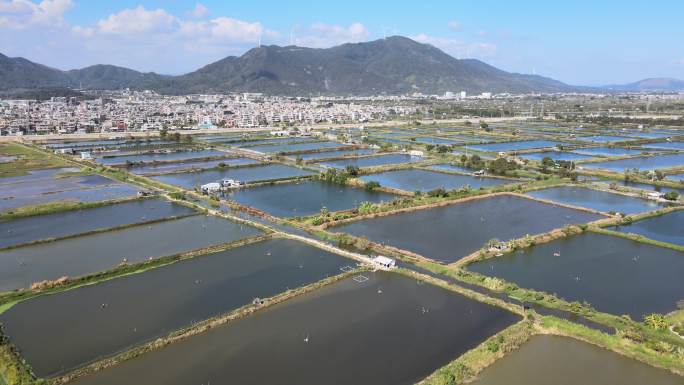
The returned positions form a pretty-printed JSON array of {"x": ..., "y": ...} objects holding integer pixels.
[{"x": 580, "y": 43}]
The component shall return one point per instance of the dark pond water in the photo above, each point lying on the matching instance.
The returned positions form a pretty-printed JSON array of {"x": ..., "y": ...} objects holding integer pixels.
[
  {"x": 451, "y": 167},
  {"x": 555, "y": 155},
  {"x": 221, "y": 137},
  {"x": 665, "y": 228},
  {"x": 161, "y": 157},
  {"x": 145, "y": 306},
  {"x": 42, "y": 186},
  {"x": 514, "y": 146},
  {"x": 304, "y": 198},
  {"x": 248, "y": 174},
  {"x": 437, "y": 141},
  {"x": 595, "y": 199},
  {"x": 451, "y": 232},
  {"x": 75, "y": 257},
  {"x": 646, "y": 186},
  {"x": 667, "y": 145},
  {"x": 190, "y": 165},
  {"x": 373, "y": 161},
  {"x": 63, "y": 224},
  {"x": 334, "y": 154},
  {"x": 296, "y": 147},
  {"x": 94, "y": 144},
  {"x": 642, "y": 163},
  {"x": 604, "y": 138},
  {"x": 616, "y": 275},
  {"x": 388, "y": 330},
  {"x": 545, "y": 360},
  {"x": 676, "y": 177},
  {"x": 413, "y": 180},
  {"x": 609, "y": 151},
  {"x": 273, "y": 141},
  {"x": 649, "y": 135}
]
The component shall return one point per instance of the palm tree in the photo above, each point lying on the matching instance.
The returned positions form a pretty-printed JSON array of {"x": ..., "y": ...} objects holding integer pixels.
[{"x": 656, "y": 321}]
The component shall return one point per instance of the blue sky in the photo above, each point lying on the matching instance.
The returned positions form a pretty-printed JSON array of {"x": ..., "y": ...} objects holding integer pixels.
[{"x": 579, "y": 42}]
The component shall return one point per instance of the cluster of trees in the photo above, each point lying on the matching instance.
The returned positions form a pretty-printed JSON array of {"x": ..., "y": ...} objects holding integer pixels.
[
  {"x": 656, "y": 321},
  {"x": 671, "y": 195},
  {"x": 175, "y": 136},
  {"x": 352, "y": 170},
  {"x": 565, "y": 168},
  {"x": 474, "y": 162},
  {"x": 372, "y": 185},
  {"x": 442, "y": 149},
  {"x": 332, "y": 175},
  {"x": 501, "y": 166}
]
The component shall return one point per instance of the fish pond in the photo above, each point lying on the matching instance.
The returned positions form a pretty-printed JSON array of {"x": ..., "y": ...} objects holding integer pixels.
[
  {"x": 604, "y": 138},
  {"x": 64, "y": 224},
  {"x": 304, "y": 198},
  {"x": 191, "y": 165},
  {"x": 191, "y": 180},
  {"x": 160, "y": 157},
  {"x": 296, "y": 147},
  {"x": 641, "y": 163},
  {"x": 337, "y": 153},
  {"x": 95, "y": 321},
  {"x": 667, "y": 145},
  {"x": 556, "y": 155},
  {"x": 45, "y": 186},
  {"x": 423, "y": 180},
  {"x": 437, "y": 141},
  {"x": 514, "y": 146},
  {"x": 616, "y": 275},
  {"x": 372, "y": 161},
  {"x": 547, "y": 359},
  {"x": 74, "y": 257},
  {"x": 664, "y": 228},
  {"x": 449, "y": 233},
  {"x": 610, "y": 151},
  {"x": 451, "y": 167},
  {"x": 386, "y": 330},
  {"x": 595, "y": 199},
  {"x": 676, "y": 177}
]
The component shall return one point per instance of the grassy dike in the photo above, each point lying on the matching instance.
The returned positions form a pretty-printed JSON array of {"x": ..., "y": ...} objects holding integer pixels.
[
  {"x": 57, "y": 207},
  {"x": 28, "y": 159},
  {"x": 466, "y": 367}
]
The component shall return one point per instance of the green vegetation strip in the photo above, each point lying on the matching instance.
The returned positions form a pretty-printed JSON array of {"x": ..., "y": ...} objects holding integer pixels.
[
  {"x": 466, "y": 367},
  {"x": 28, "y": 159},
  {"x": 655, "y": 353},
  {"x": 56, "y": 207}
]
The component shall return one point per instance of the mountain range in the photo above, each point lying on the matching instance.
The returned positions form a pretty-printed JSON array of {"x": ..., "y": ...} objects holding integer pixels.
[
  {"x": 395, "y": 65},
  {"x": 650, "y": 85}
]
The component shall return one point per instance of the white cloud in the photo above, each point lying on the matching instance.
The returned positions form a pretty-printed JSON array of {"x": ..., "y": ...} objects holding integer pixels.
[
  {"x": 137, "y": 20},
  {"x": 23, "y": 14},
  {"x": 237, "y": 30},
  {"x": 459, "y": 48},
  {"x": 139, "y": 38},
  {"x": 199, "y": 11},
  {"x": 455, "y": 25},
  {"x": 321, "y": 35}
]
